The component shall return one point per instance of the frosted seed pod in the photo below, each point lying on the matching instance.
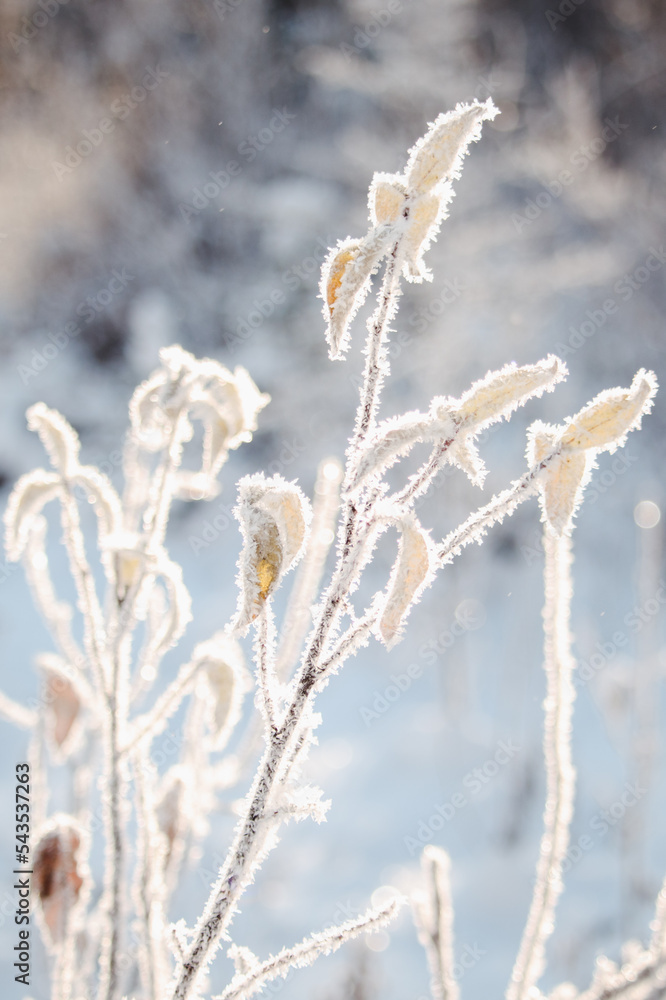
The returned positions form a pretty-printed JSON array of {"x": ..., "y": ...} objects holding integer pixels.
[
  {"x": 228, "y": 406},
  {"x": 225, "y": 681},
  {"x": 63, "y": 705},
  {"x": 58, "y": 437},
  {"x": 27, "y": 499},
  {"x": 149, "y": 420},
  {"x": 605, "y": 422},
  {"x": 422, "y": 226},
  {"x": 386, "y": 198},
  {"x": 562, "y": 485},
  {"x": 501, "y": 392},
  {"x": 345, "y": 282},
  {"x": 169, "y": 809},
  {"x": 274, "y": 517},
  {"x": 58, "y": 876},
  {"x": 408, "y": 578},
  {"x": 102, "y": 495},
  {"x": 438, "y": 155},
  {"x": 337, "y": 266}
]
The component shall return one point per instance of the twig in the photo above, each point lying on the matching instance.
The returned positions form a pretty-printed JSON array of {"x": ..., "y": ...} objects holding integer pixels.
[{"x": 560, "y": 774}]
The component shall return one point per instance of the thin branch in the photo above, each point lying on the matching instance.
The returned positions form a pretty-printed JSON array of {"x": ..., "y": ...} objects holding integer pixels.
[
  {"x": 298, "y": 617},
  {"x": 248, "y": 848},
  {"x": 501, "y": 505},
  {"x": 148, "y": 890},
  {"x": 151, "y": 723},
  {"x": 247, "y": 984},
  {"x": 435, "y": 923},
  {"x": 11, "y": 711},
  {"x": 560, "y": 775}
]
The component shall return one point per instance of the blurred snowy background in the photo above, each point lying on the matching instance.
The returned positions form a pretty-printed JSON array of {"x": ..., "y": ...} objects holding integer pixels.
[{"x": 173, "y": 172}]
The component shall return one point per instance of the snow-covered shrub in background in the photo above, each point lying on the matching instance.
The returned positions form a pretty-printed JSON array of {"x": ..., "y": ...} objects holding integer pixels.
[{"x": 92, "y": 692}]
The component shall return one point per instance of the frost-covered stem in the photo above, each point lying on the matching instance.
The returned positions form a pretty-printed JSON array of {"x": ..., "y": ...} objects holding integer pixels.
[
  {"x": 161, "y": 492},
  {"x": 147, "y": 893},
  {"x": 155, "y": 522},
  {"x": 150, "y": 724},
  {"x": 422, "y": 479},
  {"x": 245, "y": 853},
  {"x": 350, "y": 642},
  {"x": 57, "y": 614},
  {"x": 64, "y": 969},
  {"x": 304, "y": 593},
  {"x": 499, "y": 507},
  {"x": 375, "y": 362},
  {"x": 246, "y": 985},
  {"x": 112, "y": 902},
  {"x": 38, "y": 770},
  {"x": 658, "y": 926},
  {"x": 11, "y": 711},
  {"x": 112, "y": 790},
  {"x": 560, "y": 774},
  {"x": 265, "y": 659},
  {"x": 93, "y": 625},
  {"x": 642, "y": 979},
  {"x": 137, "y": 482},
  {"x": 436, "y": 923}
]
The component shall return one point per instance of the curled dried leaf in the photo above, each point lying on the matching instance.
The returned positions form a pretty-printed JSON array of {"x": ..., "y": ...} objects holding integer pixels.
[
  {"x": 227, "y": 404},
  {"x": 274, "y": 517},
  {"x": 408, "y": 578},
  {"x": 501, "y": 392},
  {"x": 604, "y": 423},
  {"x": 101, "y": 494},
  {"x": 224, "y": 682},
  {"x": 58, "y": 437},
  {"x": 345, "y": 282},
  {"x": 58, "y": 876},
  {"x": 425, "y": 216},
  {"x": 562, "y": 486},
  {"x": 63, "y": 703},
  {"x": 27, "y": 499},
  {"x": 169, "y": 810},
  {"x": 386, "y": 198},
  {"x": 438, "y": 155}
]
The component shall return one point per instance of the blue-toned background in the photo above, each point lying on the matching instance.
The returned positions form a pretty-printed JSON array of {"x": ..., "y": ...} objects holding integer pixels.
[{"x": 222, "y": 146}]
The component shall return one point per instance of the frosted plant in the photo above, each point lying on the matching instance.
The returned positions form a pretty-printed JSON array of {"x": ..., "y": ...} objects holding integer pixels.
[{"x": 100, "y": 710}]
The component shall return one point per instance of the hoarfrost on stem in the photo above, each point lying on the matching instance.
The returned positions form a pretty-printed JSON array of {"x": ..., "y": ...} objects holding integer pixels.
[{"x": 104, "y": 705}]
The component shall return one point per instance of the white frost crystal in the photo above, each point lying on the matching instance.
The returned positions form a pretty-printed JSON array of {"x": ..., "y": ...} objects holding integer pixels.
[
  {"x": 274, "y": 516},
  {"x": 572, "y": 447}
]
